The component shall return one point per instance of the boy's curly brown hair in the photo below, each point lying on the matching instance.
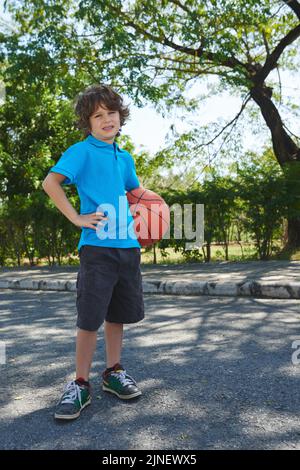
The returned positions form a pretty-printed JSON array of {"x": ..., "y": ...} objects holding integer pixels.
[{"x": 88, "y": 101}]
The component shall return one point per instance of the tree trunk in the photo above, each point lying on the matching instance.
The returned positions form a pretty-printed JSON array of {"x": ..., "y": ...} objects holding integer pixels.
[
  {"x": 226, "y": 252},
  {"x": 286, "y": 152},
  {"x": 208, "y": 253},
  {"x": 154, "y": 255},
  {"x": 293, "y": 233}
]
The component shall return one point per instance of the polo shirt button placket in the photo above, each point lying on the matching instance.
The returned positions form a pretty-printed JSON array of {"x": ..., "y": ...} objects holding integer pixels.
[{"x": 115, "y": 151}]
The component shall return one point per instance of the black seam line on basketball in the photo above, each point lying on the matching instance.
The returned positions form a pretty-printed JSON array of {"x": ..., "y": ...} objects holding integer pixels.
[
  {"x": 147, "y": 227},
  {"x": 150, "y": 209},
  {"x": 141, "y": 196},
  {"x": 146, "y": 199},
  {"x": 159, "y": 215}
]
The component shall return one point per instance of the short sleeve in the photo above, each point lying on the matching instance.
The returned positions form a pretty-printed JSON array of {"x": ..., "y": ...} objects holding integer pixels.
[
  {"x": 132, "y": 181},
  {"x": 69, "y": 165}
]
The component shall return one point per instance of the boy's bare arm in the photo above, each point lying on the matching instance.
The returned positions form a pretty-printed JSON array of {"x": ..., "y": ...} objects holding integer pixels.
[{"x": 52, "y": 186}]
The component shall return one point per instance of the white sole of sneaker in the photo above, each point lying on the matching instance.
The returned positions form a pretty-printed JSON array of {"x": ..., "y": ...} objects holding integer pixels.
[
  {"x": 58, "y": 416},
  {"x": 123, "y": 397}
]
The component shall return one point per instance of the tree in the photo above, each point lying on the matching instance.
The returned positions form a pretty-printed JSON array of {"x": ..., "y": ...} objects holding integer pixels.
[
  {"x": 154, "y": 49},
  {"x": 263, "y": 199}
]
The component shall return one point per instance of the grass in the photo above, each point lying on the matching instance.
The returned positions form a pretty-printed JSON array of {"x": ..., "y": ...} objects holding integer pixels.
[{"x": 217, "y": 255}]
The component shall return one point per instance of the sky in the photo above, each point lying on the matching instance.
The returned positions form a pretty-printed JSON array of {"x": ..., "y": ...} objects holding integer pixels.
[{"x": 148, "y": 129}]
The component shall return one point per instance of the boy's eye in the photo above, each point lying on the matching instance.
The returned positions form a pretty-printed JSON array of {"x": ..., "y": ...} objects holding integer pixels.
[{"x": 100, "y": 115}]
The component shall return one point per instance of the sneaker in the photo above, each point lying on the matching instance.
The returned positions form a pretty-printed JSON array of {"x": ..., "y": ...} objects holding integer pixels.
[
  {"x": 74, "y": 399},
  {"x": 120, "y": 383}
]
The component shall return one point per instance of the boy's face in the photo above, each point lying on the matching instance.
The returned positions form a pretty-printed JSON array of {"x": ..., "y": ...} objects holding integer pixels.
[{"x": 105, "y": 124}]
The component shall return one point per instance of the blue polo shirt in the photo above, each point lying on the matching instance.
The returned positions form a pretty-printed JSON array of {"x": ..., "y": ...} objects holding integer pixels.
[{"x": 102, "y": 173}]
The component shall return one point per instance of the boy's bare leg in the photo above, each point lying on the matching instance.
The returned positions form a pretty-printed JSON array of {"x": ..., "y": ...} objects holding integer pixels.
[
  {"x": 86, "y": 342},
  {"x": 113, "y": 341}
]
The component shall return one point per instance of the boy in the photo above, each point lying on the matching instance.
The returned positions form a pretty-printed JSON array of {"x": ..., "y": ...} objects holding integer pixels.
[{"x": 109, "y": 282}]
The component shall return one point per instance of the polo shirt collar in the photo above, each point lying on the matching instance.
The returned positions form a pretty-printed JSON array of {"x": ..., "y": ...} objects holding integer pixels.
[{"x": 100, "y": 143}]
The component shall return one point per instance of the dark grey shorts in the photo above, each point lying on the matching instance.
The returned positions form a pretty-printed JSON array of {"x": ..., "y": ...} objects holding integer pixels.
[{"x": 109, "y": 286}]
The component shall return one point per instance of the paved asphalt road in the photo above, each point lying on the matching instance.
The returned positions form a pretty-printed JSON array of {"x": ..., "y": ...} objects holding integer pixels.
[{"x": 216, "y": 373}]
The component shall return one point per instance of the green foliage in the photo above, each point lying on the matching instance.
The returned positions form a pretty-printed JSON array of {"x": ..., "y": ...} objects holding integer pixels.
[
  {"x": 264, "y": 200},
  {"x": 146, "y": 49},
  {"x": 249, "y": 206},
  {"x": 136, "y": 45}
]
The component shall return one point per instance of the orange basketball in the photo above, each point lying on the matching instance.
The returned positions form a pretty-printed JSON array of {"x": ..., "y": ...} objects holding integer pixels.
[{"x": 151, "y": 215}]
